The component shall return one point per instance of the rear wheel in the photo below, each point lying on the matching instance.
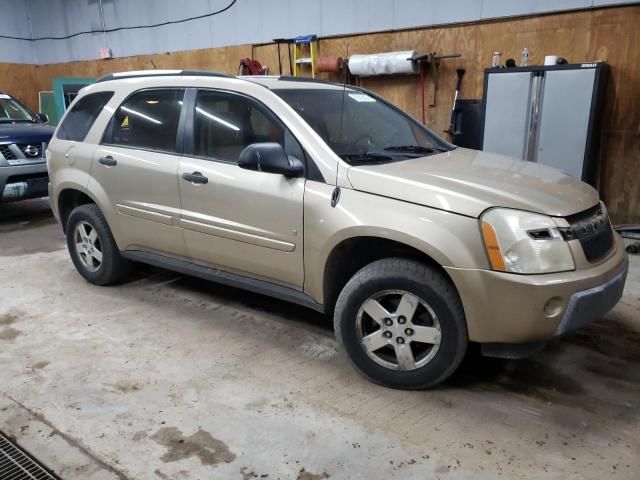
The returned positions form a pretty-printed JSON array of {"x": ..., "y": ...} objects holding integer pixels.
[
  {"x": 92, "y": 248},
  {"x": 401, "y": 324}
]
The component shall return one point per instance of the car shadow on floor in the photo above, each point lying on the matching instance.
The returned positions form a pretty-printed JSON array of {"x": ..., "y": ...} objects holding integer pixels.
[
  {"x": 232, "y": 296},
  {"x": 28, "y": 227},
  {"x": 25, "y": 214},
  {"x": 595, "y": 369},
  {"x": 597, "y": 364}
]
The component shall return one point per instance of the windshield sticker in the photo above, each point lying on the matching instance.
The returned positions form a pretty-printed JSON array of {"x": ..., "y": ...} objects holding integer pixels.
[
  {"x": 361, "y": 97},
  {"x": 2, "y": 95}
]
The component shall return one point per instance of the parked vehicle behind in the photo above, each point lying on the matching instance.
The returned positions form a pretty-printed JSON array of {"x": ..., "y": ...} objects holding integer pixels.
[
  {"x": 330, "y": 197},
  {"x": 24, "y": 136}
]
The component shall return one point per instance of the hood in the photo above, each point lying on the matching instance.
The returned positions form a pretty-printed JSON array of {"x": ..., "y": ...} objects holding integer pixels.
[
  {"x": 23, "y": 132},
  {"x": 468, "y": 182}
]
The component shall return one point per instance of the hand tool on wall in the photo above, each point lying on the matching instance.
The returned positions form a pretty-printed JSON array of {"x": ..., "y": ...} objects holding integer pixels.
[
  {"x": 452, "y": 124},
  {"x": 429, "y": 63}
]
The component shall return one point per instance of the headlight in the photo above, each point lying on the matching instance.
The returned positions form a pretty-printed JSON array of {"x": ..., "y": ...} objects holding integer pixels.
[{"x": 524, "y": 242}]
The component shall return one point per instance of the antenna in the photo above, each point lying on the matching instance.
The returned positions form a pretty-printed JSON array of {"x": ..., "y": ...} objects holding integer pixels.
[{"x": 335, "y": 196}]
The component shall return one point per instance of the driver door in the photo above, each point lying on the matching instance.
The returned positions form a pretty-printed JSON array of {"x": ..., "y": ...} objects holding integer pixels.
[{"x": 241, "y": 221}]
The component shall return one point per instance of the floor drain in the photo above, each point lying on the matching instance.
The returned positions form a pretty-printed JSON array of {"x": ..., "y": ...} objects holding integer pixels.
[{"x": 17, "y": 464}]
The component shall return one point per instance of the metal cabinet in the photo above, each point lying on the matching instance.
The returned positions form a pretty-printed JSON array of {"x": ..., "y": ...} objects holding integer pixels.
[{"x": 549, "y": 115}]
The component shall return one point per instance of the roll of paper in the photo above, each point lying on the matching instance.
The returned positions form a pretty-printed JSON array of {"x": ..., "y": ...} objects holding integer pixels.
[{"x": 383, "y": 64}]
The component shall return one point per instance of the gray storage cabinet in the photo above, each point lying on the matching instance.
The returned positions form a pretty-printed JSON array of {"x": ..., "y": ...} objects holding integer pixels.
[{"x": 549, "y": 115}]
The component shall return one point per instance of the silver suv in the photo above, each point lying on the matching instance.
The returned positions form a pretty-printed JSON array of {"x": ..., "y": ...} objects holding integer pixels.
[{"x": 330, "y": 197}]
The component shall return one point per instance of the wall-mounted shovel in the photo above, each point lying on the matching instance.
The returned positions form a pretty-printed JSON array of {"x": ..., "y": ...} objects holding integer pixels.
[{"x": 452, "y": 124}]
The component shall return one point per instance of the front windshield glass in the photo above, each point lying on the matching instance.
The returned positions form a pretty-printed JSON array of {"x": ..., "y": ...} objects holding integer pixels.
[
  {"x": 368, "y": 131},
  {"x": 12, "y": 111}
]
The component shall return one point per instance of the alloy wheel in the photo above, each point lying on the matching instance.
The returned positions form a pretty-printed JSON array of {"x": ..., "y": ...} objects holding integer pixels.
[
  {"x": 398, "y": 330},
  {"x": 88, "y": 246}
]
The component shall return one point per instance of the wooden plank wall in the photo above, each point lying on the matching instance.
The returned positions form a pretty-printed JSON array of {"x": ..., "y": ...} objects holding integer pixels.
[{"x": 610, "y": 34}]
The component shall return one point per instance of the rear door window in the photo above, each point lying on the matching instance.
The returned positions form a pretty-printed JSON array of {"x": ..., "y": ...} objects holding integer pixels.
[
  {"x": 80, "y": 118},
  {"x": 147, "y": 120}
]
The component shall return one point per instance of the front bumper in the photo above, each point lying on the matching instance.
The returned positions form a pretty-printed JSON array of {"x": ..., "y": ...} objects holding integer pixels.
[
  {"x": 526, "y": 309},
  {"x": 19, "y": 182},
  {"x": 588, "y": 305}
]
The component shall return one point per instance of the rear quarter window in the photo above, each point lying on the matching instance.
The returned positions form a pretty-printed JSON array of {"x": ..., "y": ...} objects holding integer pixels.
[{"x": 80, "y": 118}]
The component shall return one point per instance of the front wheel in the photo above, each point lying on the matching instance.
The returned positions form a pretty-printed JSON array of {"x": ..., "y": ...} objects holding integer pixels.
[{"x": 402, "y": 324}]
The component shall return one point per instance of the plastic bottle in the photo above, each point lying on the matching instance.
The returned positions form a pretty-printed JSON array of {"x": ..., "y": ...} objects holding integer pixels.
[
  {"x": 524, "y": 57},
  {"x": 495, "y": 61}
]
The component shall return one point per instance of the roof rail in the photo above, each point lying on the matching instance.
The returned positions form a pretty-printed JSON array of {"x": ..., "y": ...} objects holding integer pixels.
[
  {"x": 160, "y": 73},
  {"x": 306, "y": 79}
]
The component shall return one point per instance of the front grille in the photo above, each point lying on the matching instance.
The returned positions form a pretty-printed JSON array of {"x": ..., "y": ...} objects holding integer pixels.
[
  {"x": 17, "y": 464},
  {"x": 597, "y": 246},
  {"x": 593, "y": 229},
  {"x": 6, "y": 152},
  {"x": 31, "y": 150}
]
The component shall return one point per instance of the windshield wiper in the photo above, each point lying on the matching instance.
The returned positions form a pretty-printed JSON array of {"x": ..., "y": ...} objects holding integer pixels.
[
  {"x": 414, "y": 149},
  {"x": 366, "y": 157}
]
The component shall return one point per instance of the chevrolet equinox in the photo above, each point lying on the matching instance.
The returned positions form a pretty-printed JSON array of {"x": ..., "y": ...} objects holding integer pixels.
[{"x": 330, "y": 197}]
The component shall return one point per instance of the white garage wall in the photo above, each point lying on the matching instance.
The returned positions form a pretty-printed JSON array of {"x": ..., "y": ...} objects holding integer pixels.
[
  {"x": 14, "y": 22},
  {"x": 249, "y": 21}
]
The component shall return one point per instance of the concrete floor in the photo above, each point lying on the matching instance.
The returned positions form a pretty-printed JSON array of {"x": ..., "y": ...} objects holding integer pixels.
[{"x": 170, "y": 377}]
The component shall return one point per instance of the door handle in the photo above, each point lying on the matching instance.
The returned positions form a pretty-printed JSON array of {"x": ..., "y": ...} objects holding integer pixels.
[
  {"x": 195, "y": 177},
  {"x": 109, "y": 161}
]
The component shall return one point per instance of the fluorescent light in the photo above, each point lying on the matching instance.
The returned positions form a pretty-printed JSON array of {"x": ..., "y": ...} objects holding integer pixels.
[
  {"x": 141, "y": 115},
  {"x": 217, "y": 119}
]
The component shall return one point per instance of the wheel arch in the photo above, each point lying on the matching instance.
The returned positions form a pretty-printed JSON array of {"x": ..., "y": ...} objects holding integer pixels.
[
  {"x": 68, "y": 198},
  {"x": 71, "y": 195},
  {"x": 350, "y": 254}
]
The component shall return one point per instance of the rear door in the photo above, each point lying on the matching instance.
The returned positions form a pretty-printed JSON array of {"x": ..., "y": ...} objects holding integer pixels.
[
  {"x": 136, "y": 167},
  {"x": 242, "y": 221}
]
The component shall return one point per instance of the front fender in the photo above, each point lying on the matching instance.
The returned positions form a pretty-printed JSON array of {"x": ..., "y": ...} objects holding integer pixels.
[{"x": 447, "y": 238}]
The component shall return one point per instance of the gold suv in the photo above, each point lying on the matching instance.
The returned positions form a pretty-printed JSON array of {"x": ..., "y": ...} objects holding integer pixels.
[{"x": 330, "y": 197}]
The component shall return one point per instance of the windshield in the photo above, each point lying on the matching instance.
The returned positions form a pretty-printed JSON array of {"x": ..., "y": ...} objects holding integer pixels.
[
  {"x": 12, "y": 111},
  {"x": 368, "y": 131}
]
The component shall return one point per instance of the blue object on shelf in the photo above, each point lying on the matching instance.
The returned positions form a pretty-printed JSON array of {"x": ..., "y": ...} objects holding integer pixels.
[{"x": 305, "y": 39}]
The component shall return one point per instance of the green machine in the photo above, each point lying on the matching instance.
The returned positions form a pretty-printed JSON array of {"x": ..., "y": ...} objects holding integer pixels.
[
  {"x": 47, "y": 105},
  {"x": 65, "y": 89}
]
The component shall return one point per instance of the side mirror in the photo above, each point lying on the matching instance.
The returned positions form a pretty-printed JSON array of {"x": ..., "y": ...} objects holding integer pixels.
[
  {"x": 43, "y": 117},
  {"x": 270, "y": 158}
]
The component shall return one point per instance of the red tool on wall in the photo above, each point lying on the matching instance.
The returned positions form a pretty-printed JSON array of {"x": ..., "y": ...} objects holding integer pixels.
[
  {"x": 429, "y": 63},
  {"x": 248, "y": 66}
]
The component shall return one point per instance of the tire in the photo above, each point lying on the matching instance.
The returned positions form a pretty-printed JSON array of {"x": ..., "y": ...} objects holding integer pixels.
[
  {"x": 88, "y": 227},
  {"x": 402, "y": 283}
]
